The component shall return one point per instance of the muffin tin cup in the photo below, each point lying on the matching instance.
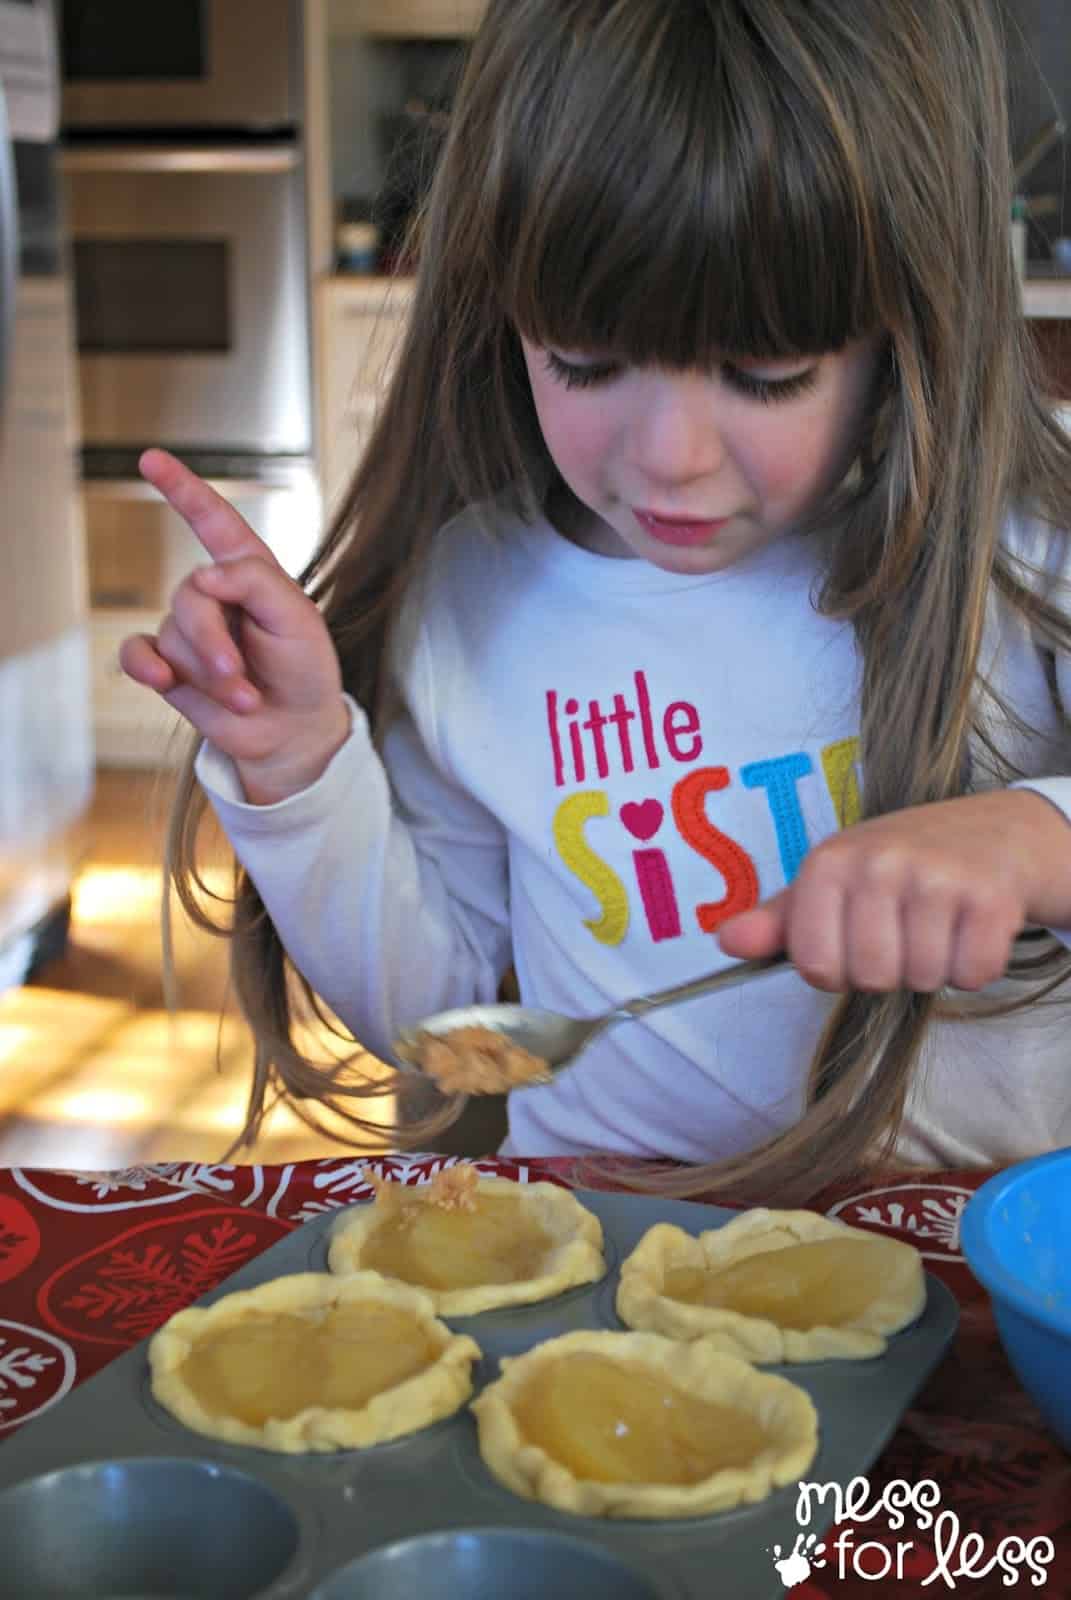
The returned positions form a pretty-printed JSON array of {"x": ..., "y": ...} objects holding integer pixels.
[
  {"x": 106, "y": 1495},
  {"x": 133, "y": 1527},
  {"x": 487, "y": 1564}
]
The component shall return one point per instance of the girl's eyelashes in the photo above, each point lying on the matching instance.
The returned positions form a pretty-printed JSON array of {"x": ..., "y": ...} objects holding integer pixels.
[
  {"x": 586, "y": 374},
  {"x": 769, "y": 390},
  {"x": 581, "y": 374}
]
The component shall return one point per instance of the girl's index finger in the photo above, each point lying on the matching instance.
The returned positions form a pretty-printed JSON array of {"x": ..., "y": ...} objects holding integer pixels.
[{"x": 223, "y": 533}]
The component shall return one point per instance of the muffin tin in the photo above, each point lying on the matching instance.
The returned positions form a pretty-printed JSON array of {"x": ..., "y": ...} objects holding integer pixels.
[{"x": 108, "y": 1497}]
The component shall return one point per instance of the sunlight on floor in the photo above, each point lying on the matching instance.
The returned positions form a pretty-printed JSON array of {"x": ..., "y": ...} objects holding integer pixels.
[
  {"x": 94, "y": 1072},
  {"x": 116, "y": 895},
  {"x": 76, "y": 1068}
]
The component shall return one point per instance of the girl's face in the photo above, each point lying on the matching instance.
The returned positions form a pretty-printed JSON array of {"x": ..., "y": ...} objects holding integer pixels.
[{"x": 693, "y": 470}]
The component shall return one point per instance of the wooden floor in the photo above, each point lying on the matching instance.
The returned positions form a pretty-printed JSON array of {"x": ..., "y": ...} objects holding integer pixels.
[{"x": 94, "y": 1073}]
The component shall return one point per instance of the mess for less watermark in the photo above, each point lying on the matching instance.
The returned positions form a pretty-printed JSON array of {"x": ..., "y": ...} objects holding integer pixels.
[{"x": 957, "y": 1555}]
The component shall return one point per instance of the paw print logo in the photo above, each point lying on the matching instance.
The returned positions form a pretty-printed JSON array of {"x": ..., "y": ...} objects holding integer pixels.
[{"x": 796, "y": 1568}]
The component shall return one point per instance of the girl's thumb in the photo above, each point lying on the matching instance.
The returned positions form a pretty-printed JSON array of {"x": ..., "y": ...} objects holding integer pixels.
[
  {"x": 264, "y": 591},
  {"x": 760, "y": 932}
]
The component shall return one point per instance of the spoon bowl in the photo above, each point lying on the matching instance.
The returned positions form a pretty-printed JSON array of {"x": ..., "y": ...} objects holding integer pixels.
[
  {"x": 558, "y": 1040},
  {"x": 547, "y": 1034}
]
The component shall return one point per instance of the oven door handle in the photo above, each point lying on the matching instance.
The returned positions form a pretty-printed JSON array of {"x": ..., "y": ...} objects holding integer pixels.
[
  {"x": 9, "y": 251},
  {"x": 246, "y": 160},
  {"x": 138, "y": 489}
]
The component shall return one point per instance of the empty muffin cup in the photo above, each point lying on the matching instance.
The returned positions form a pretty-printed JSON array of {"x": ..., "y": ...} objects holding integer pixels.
[
  {"x": 487, "y": 1564},
  {"x": 154, "y": 1529}
]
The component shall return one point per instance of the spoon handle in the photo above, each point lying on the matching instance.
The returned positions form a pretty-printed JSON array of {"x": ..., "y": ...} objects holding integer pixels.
[{"x": 725, "y": 978}]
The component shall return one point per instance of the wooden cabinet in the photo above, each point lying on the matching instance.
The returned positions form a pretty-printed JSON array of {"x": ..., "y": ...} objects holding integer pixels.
[
  {"x": 420, "y": 19},
  {"x": 132, "y": 727},
  {"x": 360, "y": 322},
  {"x": 1047, "y": 299},
  {"x": 1053, "y": 341},
  {"x": 139, "y": 552}
]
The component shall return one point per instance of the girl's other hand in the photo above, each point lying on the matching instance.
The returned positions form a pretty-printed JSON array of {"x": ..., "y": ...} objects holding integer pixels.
[
  {"x": 243, "y": 653},
  {"x": 921, "y": 899}
]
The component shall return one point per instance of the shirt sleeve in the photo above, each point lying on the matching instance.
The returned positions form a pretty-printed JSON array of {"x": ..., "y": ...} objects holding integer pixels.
[
  {"x": 386, "y": 881},
  {"x": 1057, "y": 789}
]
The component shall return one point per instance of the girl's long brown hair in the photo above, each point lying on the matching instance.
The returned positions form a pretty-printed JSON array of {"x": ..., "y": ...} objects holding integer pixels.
[{"x": 670, "y": 183}]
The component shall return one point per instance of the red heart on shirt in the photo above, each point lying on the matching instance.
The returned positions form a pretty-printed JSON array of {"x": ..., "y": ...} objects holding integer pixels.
[{"x": 642, "y": 818}]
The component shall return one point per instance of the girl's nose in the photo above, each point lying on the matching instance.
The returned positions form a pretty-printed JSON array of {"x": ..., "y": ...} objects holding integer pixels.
[{"x": 675, "y": 437}]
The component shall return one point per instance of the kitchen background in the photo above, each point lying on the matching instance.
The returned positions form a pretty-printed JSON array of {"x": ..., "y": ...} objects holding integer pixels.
[{"x": 211, "y": 202}]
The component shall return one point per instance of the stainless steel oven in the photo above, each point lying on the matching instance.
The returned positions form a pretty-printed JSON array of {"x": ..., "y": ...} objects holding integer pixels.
[
  {"x": 179, "y": 64},
  {"x": 183, "y": 163},
  {"x": 191, "y": 294}
]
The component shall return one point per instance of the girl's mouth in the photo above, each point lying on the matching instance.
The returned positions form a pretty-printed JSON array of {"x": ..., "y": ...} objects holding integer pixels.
[{"x": 679, "y": 530}]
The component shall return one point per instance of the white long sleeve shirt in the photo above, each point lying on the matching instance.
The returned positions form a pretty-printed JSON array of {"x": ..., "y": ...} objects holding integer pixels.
[{"x": 597, "y": 763}]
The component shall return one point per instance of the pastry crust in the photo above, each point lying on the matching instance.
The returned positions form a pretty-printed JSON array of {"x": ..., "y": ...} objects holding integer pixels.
[
  {"x": 574, "y": 1239},
  {"x": 436, "y": 1390},
  {"x": 697, "y": 1373},
  {"x": 642, "y": 1304}
]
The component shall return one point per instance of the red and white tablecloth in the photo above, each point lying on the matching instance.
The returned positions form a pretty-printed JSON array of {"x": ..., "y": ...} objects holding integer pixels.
[{"x": 92, "y": 1262}]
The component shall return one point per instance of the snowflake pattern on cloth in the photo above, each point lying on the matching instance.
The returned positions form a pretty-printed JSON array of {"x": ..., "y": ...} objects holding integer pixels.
[
  {"x": 123, "y": 1290},
  {"x": 337, "y": 1184},
  {"x": 20, "y": 1238},
  {"x": 134, "y": 1188},
  {"x": 925, "y": 1215},
  {"x": 103, "y": 1184},
  {"x": 36, "y": 1370}
]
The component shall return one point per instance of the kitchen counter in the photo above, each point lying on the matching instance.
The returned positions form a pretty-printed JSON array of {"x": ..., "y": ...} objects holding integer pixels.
[
  {"x": 1044, "y": 294},
  {"x": 1047, "y": 295}
]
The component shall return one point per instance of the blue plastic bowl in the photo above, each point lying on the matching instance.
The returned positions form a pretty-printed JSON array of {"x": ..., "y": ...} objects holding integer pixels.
[{"x": 1016, "y": 1238}]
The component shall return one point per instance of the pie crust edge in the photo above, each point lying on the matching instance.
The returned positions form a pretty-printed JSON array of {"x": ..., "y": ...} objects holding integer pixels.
[
  {"x": 698, "y": 1368},
  {"x": 427, "y": 1396},
  {"x": 642, "y": 1306},
  {"x": 576, "y": 1259}
]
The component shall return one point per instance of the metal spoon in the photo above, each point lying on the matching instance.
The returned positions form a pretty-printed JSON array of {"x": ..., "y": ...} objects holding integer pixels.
[{"x": 558, "y": 1040}]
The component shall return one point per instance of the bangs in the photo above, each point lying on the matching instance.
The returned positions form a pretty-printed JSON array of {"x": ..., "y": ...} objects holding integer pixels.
[{"x": 673, "y": 210}]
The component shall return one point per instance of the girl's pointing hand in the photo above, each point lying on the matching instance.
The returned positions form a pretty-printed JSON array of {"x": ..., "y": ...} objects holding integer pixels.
[
  {"x": 930, "y": 897},
  {"x": 243, "y": 653}
]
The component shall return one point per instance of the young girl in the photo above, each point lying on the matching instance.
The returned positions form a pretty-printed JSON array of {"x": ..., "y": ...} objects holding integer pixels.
[{"x": 701, "y": 593}]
